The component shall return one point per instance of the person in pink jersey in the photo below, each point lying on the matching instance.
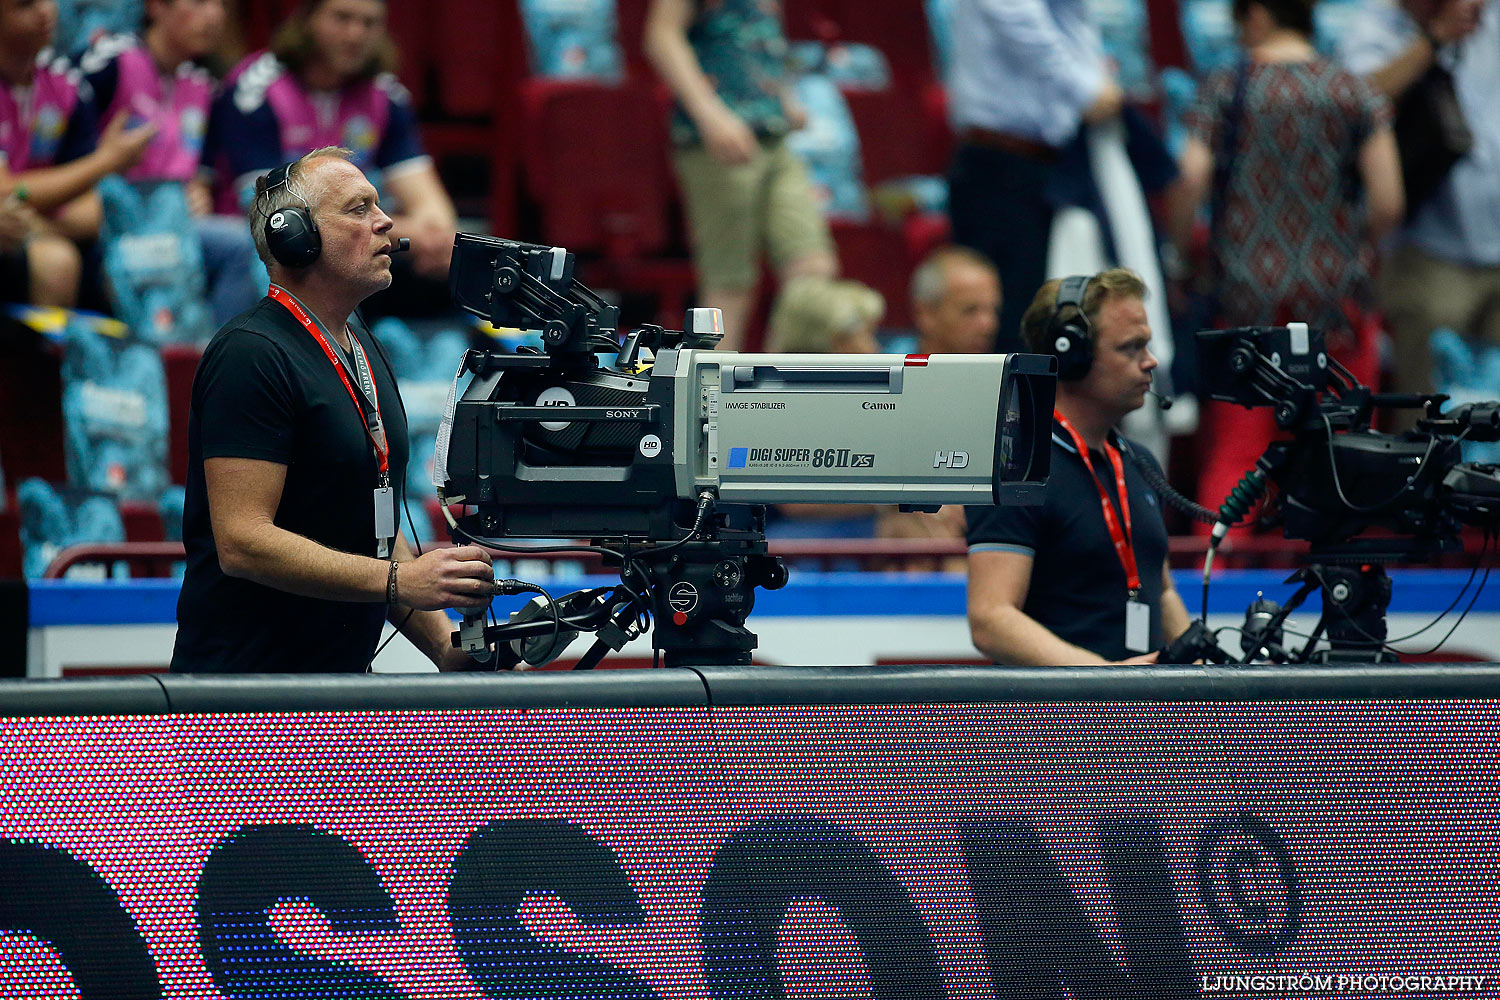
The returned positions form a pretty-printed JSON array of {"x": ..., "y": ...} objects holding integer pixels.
[
  {"x": 155, "y": 77},
  {"x": 51, "y": 156},
  {"x": 327, "y": 80}
]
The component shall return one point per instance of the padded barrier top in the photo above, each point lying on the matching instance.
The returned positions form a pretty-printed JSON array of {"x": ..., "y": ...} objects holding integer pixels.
[{"x": 721, "y": 687}]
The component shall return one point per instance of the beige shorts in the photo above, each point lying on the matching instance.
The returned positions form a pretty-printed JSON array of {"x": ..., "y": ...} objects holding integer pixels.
[
  {"x": 1418, "y": 293},
  {"x": 736, "y": 213}
]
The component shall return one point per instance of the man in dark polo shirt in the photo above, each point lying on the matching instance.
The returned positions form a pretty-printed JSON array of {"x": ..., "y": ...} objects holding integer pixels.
[
  {"x": 1081, "y": 578},
  {"x": 297, "y": 455}
]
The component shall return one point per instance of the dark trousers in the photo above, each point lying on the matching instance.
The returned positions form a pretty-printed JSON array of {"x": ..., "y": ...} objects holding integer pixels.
[{"x": 998, "y": 206}]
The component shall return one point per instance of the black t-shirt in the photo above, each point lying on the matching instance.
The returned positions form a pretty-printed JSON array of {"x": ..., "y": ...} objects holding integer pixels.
[
  {"x": 265, "y": 390},
  {"x": 1077, "y": 587}
]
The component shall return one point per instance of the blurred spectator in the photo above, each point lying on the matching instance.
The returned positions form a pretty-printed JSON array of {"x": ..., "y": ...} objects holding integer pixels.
[
  {"x": 1286, "y": 244},
  {"x": 955, "y": 301},
  {"x": 37, "y": 266},
  {"x": 1445, "y": 271},
  {"x": 743, "y": 189},
  {"x": 1025, "y": 76},
  {"x": 49, "y": 158},
  {"x": 156, "y": 78},
  {"x": 1102, "y": 219},
  {"x": 328, "y": 80},
  {"x": 820, "y": 316}
]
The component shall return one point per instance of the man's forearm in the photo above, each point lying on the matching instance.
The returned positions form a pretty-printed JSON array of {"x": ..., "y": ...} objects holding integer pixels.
[
  {"x": 49, "y": 188},
  {"x": 1009, "y": 635},
  {"x": 275, "y": 557},
  {"x": 1174, "y": 615},
  {"x": 430, "y": 631}
]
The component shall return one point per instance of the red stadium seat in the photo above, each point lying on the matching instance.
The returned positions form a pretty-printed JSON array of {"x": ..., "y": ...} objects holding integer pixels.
[
  {"x": 876, "y": 254},
  {"x": 630, "y": 27},
  {"x": 179, "y": 363},
  {"x": 466, "y": 40},
  {"x": 595, "y": 164},
  {"x": 1164, "y": 22},
  {"x": 10, "y": 539},
  {"x": 593, "y": 161},
  {"x": 413, "y": 27},
  {"x": 923, "y": 233},
  {"x": 142, "y": 521},
  {"x": 31, "y": 422},
  {"x": 811, "y": 21},
  {"x": 901, "y": 132},
  {"x": 898, "y": 28}
]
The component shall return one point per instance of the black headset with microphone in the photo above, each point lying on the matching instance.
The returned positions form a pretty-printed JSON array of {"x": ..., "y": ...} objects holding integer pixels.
[
  {"x": 1073, "y": 336},
  {"x": 1070, "y": 332},
  {"x": 291, "y": 233}
]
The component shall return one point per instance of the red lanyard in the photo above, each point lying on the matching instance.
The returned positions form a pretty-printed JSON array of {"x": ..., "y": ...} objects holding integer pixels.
[
  {"x": 1120, "y": 536},
  {"x": 374, "y": 426}
]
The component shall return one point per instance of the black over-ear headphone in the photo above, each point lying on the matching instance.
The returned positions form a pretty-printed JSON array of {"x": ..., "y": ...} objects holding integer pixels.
[
  {"x": 291, "y": 233},
  {"x": 1072, "y": 339}
]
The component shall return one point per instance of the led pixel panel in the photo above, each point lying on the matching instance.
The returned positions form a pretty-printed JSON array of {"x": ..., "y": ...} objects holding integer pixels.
[{"x": 1081, "y": 850}]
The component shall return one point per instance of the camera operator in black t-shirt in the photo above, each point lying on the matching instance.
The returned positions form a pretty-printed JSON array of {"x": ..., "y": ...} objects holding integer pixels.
[
  {"x": 1081, "y": 578},
  {"x": 297, "y": 456}
]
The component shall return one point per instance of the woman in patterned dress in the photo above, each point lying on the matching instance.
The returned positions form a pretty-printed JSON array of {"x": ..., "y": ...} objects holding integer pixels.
[{"x": 1308, "y": 189}]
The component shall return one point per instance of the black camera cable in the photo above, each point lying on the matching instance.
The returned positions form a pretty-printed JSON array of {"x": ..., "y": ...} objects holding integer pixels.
[
  {"x": 416, "y": 547},
  {"x": 1405, "y": 487},
  {"x": 1152, "y": 474},
  {"x": 1239, "y": 502},
  {"x": 1389, "y": 644},
  {"x": 405, "y": 500}
]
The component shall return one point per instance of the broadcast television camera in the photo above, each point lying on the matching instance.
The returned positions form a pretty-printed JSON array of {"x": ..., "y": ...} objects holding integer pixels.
[
  {"x": 1361, "y": 498},
  {"x": 668, "y": 449}
]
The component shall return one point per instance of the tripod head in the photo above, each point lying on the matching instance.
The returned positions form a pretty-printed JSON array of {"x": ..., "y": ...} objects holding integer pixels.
[{"x": 1363, "y": 499}]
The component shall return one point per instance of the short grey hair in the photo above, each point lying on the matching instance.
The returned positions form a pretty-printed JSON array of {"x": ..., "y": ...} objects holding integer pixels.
[
  {"x": 293, "y": 193},
  {"x": 812, "y": 312},
  {"x": 930, "y": 280}
]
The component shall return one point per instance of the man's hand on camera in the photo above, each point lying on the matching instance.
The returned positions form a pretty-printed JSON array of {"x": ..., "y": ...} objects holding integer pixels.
[{"x": 447, "y": 578}]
